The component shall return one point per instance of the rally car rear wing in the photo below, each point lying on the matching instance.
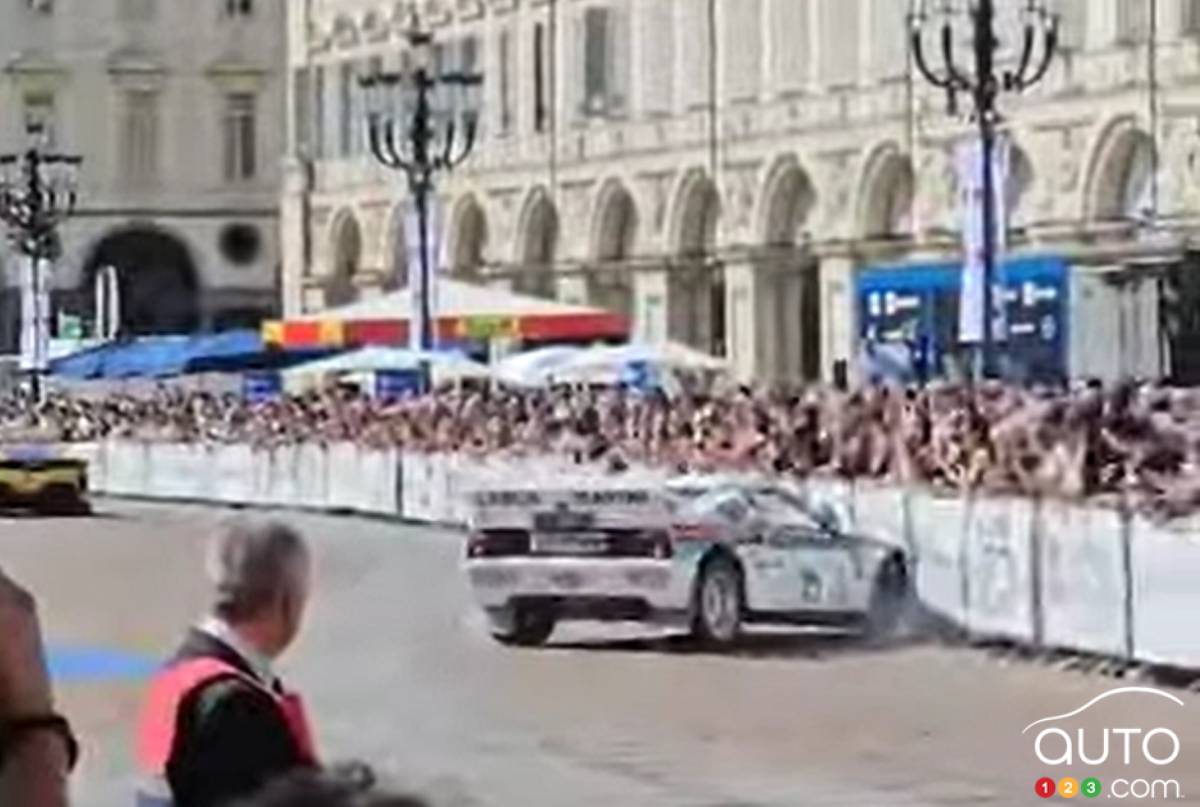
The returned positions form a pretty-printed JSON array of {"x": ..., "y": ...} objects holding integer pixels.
[{"x": 568, "y": 508}]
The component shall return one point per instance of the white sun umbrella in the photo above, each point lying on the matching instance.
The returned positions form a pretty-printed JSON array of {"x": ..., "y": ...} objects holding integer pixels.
[
  {"x": 446, "y": 366},
  {"x": 534, "y": 368},
  {"x": 608, "y": 365}
]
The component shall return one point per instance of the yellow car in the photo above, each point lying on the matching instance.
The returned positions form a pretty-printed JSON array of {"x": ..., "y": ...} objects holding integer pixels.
[{"x": 43, "y": 482}]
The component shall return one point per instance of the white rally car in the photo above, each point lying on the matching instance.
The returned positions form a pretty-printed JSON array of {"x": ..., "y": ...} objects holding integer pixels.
[{"x": 710, "y": 553}]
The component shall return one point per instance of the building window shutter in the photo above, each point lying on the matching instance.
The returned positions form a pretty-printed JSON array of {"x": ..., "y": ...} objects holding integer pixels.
[
  {"x": 656, "y": 62},
  {"x": 540, "y": 79},
  {"x": 140, "y": 136},
  {"x": 1133, "y": 21},
  {"x": 1190, "y": 11},
  {"x": 790, "y": 32},
  {"x": 597, "y": 48},
  {"x": 620, "y": 62},
  {"x": 504, "y": 68},
  {"x": 1073, "y": 24}
]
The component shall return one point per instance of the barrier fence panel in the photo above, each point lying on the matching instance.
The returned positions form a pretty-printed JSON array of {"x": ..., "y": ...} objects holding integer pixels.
[
  {"x": 1166, "y": 591},
  {"x": 312, "y": 476},
  {"x": 378, "y": 491},
  {"x": 283, "y": 484},
  {"x": 126, "y": 472},
  {"x": 999, "y": 569},
  {"x": 938, "y": 533},
  {"x": 417, "y": 492},
  {"x": 881, "y": 512},
  {"x": 346, "y": 479},
  {"x": 233, "y": 474},
  {"x": 1083, "y": 578},
  {"x": 387, "y": 493},
  {"x": 172, "y": 472}
]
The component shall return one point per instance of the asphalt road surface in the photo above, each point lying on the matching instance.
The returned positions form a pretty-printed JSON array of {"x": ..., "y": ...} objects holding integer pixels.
[{"x": 400, "y": 672}]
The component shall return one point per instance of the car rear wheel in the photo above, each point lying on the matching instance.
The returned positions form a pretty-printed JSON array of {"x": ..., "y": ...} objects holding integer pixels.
[
  {"x": 717, "y": 610},
  {"x": 889, "y": 597},
  {"x": 523, "y": 626},
  {"x": 62, "y": 500}
]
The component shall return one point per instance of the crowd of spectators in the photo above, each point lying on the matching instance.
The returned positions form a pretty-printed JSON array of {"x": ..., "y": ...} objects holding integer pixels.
[{"x": 1140, "y": 442}]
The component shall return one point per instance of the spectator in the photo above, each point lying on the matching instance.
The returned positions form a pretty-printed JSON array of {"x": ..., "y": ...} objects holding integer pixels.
[
  {"x": 37, "y": 749},
  {"x": 218, "y": 723},
  {"x": 1135, "y": 442}
]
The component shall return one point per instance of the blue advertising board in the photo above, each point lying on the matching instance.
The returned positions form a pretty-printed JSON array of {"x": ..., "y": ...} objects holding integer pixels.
[
  {"x": 262, "y": 387},
  {"x": 391, "y": 385},
  {"x": 917, "y": 305}
]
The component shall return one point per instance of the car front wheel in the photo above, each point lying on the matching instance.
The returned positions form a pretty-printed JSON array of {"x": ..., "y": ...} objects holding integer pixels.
[{"x": 889, "y": 597}]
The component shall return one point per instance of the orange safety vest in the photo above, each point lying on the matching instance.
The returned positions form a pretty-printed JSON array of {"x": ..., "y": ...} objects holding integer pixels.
[{"x": 160, "y": 717}]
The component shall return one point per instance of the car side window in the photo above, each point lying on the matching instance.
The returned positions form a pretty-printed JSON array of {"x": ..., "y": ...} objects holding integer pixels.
[{"x": 733, "y": 509}]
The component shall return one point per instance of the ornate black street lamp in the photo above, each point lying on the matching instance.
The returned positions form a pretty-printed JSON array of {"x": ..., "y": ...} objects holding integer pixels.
[
  {"x": 37, "y": 192},
  {"x": 984, "y": 83},
  {"x": 422, "y": 121}
]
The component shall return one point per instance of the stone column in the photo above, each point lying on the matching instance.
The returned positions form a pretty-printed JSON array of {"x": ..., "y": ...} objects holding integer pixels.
[
  {"x": 650, "y": 301},
  {"x": 839, "y": 317},
  {"x": 747, "y": 325},
  {"x": 294, "y": 231}
]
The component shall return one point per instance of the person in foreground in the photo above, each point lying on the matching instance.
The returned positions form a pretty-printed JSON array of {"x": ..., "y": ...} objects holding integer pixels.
[
  {"x": 217, "y": 724},
  {"x": 37, "y": 749},
  {"x": 349, "y": 786}
]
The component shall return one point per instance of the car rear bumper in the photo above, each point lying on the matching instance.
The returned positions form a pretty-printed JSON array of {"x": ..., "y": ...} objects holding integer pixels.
[{"x": 627, "y": 584}]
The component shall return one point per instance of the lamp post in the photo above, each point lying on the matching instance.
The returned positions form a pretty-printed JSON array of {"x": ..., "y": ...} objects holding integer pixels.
[
  {"x": 37, "y": 192},
  {"x": 422, "y": 121},
  {"x": 983, "y": 84}
]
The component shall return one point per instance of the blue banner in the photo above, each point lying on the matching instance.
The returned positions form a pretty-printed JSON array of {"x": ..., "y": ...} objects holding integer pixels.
[
  {"x": 393, "y": 384},
  {"x": 262, "y": 387},
  {"x": 917, "y": 305}
]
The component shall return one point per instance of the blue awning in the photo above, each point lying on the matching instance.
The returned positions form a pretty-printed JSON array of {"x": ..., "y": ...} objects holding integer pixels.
[
  {"x": 82, "y": 365},
  {"x": 231, "y": 350},
  {"x": 165, "y": 356},
  {"x": 152, "y": 357}
]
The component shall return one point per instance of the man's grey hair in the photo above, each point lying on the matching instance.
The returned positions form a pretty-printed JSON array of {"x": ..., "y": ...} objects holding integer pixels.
[{"x": 251, "y": 564}]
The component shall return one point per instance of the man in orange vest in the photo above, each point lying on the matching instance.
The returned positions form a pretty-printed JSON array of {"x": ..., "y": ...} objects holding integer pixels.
[{"x": 217, "y": 723}]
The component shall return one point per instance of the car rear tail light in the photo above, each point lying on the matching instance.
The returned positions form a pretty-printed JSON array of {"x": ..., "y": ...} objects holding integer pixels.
[
  {"x": 693, "y": 532},
  {"x": 497, "y": 543},
  {"x": 661, "y": 547}
]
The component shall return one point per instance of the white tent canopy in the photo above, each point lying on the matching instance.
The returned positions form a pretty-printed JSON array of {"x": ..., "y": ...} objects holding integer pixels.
[
  {"x": 607, "y": 365},
  {"x": 534, "y": 368},
  {"x": 453, "y": 298},
  {"x": 446, "y": 366}
]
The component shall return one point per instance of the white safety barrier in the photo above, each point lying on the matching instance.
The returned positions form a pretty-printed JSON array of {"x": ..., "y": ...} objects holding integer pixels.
[
  {"x": 129, "y": 470},
  {"x": 1083, "y": 589},
  {"x": 938, "y": 537},
  {"x": 1052, "y": 574},
  {"x": 1165, "y": 563},
  {"x": 882, "y": 512},
  {"x": 999, "y": 570},
  {"x": 233, "y": 474}
]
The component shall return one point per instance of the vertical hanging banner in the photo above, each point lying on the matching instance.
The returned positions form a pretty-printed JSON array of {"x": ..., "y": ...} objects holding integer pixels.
[
  {"x": 969, "y": 163},
  {"x": 416, "y": 278},
  {"x": 35, "y": 317}
]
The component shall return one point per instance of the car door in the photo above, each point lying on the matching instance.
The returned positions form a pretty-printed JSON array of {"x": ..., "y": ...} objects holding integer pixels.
[{"x": 813, "y": 566}]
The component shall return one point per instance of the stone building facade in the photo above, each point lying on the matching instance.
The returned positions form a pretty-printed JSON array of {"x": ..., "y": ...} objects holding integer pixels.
[
  {"x": 177, "y": 109},
  {"x": 725, "y": 171}
]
